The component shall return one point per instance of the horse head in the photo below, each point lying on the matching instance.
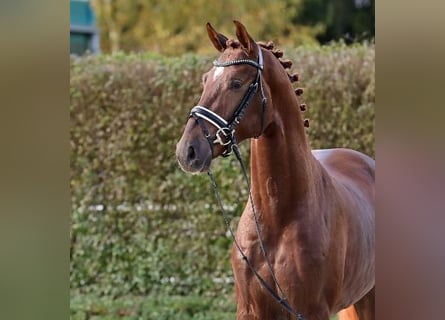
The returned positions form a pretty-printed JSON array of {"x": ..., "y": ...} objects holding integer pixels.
[{"x": 233, "y": 103}]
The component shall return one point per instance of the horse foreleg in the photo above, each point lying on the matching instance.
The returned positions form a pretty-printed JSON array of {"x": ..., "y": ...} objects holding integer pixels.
[
  {"x": 365, "y": 307},
  {"x": 348, "y": 314}
]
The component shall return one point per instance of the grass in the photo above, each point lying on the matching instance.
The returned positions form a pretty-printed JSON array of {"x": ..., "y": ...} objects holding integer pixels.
[
  {"x": 83, "y": 307},
  {"x": 91, "y": 307}
]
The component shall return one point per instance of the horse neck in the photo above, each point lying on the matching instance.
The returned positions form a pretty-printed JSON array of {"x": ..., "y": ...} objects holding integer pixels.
[{"x": 283, "y": 169}]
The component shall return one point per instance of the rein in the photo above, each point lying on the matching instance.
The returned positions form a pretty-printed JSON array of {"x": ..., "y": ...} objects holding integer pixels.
[
  {"x": 282, "y": 300},
  {"x": 227, "y": 129}
]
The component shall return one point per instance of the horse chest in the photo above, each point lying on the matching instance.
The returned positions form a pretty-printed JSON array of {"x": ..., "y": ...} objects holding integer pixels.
[
  {"x": 294, "y": 255},
  {"x": 283, "y": 262}
]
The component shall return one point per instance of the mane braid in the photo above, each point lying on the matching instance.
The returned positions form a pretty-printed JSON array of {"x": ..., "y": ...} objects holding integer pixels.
[
  {"x": 287, "y": 64},
  {"x": 278, "y": 53}
]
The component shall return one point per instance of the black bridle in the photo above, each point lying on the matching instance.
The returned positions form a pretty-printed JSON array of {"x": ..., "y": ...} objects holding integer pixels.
[{"x": 225, "y": 136}]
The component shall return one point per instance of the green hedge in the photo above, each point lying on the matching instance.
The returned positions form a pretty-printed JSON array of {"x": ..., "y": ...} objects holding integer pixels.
[{"x": 139, "y": 224}]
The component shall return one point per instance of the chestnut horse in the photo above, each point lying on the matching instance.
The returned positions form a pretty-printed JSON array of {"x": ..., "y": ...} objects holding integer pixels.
[{"x": 312, "y": 210}]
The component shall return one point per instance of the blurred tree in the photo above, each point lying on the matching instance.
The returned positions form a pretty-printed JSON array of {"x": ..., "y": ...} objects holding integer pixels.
[
  {"x": 351, "y": 20},
  {"x": 174, "y": 28},
  {"x": 118, "y": 21}
]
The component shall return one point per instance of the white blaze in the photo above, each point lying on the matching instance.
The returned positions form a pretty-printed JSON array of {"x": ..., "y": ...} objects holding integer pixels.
[{"x": 218, "y": 72}]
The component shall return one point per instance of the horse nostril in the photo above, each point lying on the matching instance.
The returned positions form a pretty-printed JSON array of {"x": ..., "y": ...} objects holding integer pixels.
[{"x": 191, "y": 153}]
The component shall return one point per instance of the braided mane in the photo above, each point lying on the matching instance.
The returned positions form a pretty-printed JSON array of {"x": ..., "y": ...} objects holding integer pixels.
[{"x": 287, "y": 64}]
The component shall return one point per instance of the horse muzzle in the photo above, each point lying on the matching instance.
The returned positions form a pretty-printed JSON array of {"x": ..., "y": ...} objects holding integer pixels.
[{"x": 193, "y": 152}]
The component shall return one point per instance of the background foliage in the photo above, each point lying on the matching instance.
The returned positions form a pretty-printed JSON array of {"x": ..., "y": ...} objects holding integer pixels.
[
  {"x": 140, "y": 225},
  {"x": 176, "y": 27}
]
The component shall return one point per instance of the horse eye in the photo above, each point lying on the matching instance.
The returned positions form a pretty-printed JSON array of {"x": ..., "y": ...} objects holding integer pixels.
[
  {"x": 236, "y": 84},
  {"x": 204, "y": 78}
]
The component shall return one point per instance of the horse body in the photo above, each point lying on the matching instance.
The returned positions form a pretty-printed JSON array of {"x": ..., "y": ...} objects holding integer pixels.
[
  {"x": 319, "y": 238},
  {"x": 317, "y": 221},
  {"x": 315, "y": 209}
]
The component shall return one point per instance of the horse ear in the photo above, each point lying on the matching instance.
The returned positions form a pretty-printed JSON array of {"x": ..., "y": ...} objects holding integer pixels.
[
  {"x": 218, "y": 40},
  {"x": 244, "y": 37}
]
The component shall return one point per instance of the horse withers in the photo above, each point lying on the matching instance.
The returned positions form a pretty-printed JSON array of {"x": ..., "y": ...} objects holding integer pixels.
[{"x": 305, "y": 241}]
